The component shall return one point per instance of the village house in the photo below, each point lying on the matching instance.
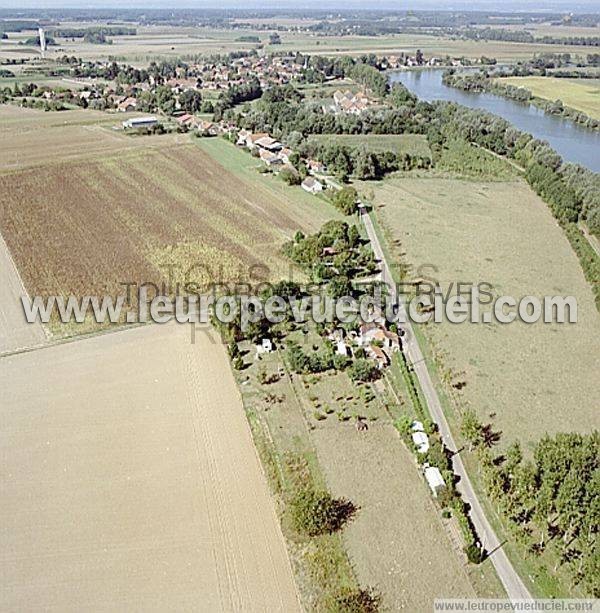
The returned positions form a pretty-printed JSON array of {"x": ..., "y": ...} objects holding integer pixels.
[
  {"x": 284, "y": 155},
  {"x": 251, "y": 139},
  {"x": 268, "y": 143},
  {"x": 312, "y": 186},
  {"x": 347, "y": 102},
  {"x": 371, "y": 332},
  {"x": 315, "y": 166},
  {"x": 269, "y": 158},
  {"x": 186, "y": 120},
  {"x": 208, "y": 128},
  {"x": 127, "y": 105},
  {"x": 377, "y": 354}
]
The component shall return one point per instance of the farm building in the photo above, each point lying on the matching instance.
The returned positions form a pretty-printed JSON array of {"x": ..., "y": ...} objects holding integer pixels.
[
  {"x": 312, "y": 186},
  {"x": 140, "y": 122},
  {"x": 434, "y": 480}
]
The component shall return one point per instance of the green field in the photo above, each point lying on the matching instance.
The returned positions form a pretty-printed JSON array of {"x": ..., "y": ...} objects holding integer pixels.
[
  {"x": 413, "y": 144},
  {"x": 580, "y": 94},
  {"x": 531, "y": 379}
]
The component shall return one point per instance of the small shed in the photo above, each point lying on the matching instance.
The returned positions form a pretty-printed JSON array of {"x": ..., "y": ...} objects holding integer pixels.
[
  {"x": 434, "y": 480},
  {"x": 417, "y": 426},
  {"x": 421, "y": 441},
  {"x": 266, "y": 346}
]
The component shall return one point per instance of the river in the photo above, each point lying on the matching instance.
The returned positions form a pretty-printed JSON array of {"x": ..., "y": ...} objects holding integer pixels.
[{"x": 572, "y": 142}]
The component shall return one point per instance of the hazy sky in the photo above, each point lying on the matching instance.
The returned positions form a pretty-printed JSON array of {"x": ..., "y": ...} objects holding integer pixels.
[{"x": 489, "y": 5}]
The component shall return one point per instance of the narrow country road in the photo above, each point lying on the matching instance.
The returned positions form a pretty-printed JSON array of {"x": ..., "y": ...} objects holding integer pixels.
[{"x": 514, "y": 586}]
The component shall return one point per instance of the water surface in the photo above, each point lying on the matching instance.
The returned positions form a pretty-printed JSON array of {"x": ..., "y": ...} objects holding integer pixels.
[{"x": 572, "y": 142}]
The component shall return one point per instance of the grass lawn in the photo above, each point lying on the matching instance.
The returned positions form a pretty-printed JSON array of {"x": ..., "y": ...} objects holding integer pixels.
[{"x": 580, "y": 94}]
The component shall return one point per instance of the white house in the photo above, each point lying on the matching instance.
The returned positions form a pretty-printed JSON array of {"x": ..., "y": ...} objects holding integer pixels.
[
  {"x": 434, "y": 479},
  {"x": 312, "y": 186}
]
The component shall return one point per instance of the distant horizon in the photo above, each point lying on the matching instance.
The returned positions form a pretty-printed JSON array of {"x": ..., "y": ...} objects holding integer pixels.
[{"x": 508, "y": 6}]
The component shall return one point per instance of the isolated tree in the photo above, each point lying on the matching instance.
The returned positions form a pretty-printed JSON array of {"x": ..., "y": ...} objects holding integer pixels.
[
  {"x": 346, "y": 200},
  {"x": 471, "y": 428}
]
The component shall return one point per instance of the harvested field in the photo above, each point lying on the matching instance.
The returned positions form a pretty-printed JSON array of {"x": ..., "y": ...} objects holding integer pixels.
[
  {"x": 31, "y": 137},
  {"x": 535, "y": 378},
  {"x": 396, "y": 542},
  {"x": 147, "y": 215},
  {"x": 413, "y": 144},
  {"x": 134, "y": 485}
]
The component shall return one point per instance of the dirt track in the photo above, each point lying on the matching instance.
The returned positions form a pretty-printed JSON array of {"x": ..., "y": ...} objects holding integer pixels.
[{"x": 130, "y": 481}]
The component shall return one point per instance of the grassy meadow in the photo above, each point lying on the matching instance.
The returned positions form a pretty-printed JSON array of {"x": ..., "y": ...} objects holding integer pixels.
[
  {"x": 413, "y": 144},
  {"x": 523, "y": 379},
  {"x": 580, "y": 94}
]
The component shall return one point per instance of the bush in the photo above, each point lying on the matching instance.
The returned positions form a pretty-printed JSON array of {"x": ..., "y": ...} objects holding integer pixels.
[
  {"x": 474, "y": 553},
  {"x": 290, "y": 176},
  {"x": 363, "y": 370},
  {"x": 317, "y": 512},
  {"x": 356, "y": 601}
]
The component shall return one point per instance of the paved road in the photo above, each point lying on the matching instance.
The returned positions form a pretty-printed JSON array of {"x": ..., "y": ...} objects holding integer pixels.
[
  {"x": 15, "y": 332},
  {"x": 514, "y": 586}
]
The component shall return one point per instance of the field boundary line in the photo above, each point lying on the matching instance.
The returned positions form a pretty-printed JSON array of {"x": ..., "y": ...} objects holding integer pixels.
[{"x": 71, "y": 339}]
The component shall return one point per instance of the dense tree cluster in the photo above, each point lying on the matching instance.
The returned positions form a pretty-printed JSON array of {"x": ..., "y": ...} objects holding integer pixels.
[
  {"x": 237, "y": 94},
  {"x": 552, "y": 500},
  {"x": 83, "y": 32},
  {"x": 359, "y": 161},
  {"x": 333, "y": 254}
]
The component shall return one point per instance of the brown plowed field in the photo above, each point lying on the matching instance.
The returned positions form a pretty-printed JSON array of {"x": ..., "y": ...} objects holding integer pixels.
[{"x": 144, "y": 215}]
